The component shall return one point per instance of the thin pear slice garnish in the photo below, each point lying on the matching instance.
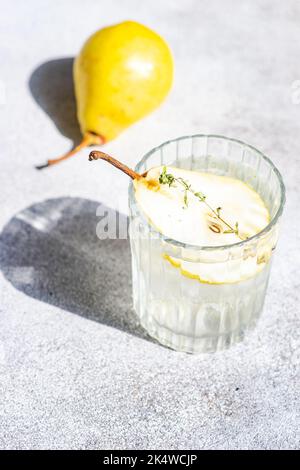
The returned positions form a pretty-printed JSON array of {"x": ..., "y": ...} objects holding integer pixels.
[
  {"x": 172, "y": 205},
  {"x": 180, "y": 216}
]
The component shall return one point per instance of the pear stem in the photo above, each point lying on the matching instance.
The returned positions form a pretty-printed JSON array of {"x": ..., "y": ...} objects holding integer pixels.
[
  {"x": 88, "y": 139},
  {"x": 96, "y": 155}
]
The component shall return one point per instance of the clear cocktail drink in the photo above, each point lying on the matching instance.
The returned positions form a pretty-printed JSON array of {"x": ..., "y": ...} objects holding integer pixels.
[{"x": 204, "y": 298}]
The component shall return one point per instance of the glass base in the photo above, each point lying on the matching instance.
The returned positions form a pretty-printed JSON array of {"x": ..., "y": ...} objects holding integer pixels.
[{"x": 181, "y": 343}]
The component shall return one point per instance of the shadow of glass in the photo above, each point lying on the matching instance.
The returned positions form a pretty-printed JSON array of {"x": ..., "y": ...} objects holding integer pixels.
[
  {"x": 51, "y": 85},
  {"x": 50, "y": 251}
]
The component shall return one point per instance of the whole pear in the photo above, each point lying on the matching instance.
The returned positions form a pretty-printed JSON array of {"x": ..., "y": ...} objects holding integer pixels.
[{"x": 122, "y": 73}]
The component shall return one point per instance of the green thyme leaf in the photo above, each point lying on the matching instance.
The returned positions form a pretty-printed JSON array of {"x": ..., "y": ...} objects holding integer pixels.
[
  {"x": 200, "y": 196},
  {"x": 185, "y": 198}
]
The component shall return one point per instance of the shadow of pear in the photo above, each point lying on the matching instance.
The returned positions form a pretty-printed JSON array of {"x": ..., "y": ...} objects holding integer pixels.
[
  {"x": 51, "y": 85},
  {"x": 50, "y": 251}
]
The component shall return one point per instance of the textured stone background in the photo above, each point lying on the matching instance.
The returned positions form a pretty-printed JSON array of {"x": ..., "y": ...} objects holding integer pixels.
[{"x": 76, "y": 370}]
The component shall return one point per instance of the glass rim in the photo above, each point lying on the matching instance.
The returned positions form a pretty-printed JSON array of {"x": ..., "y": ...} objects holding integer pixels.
[{"x": 180, "y": 244}]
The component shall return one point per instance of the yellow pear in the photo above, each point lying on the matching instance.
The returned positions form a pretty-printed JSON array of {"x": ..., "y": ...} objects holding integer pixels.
[{"x": 122, "y": 73}]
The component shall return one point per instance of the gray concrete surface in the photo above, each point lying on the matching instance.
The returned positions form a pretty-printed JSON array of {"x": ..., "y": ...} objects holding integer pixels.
[{"x": 76, "y": 370}]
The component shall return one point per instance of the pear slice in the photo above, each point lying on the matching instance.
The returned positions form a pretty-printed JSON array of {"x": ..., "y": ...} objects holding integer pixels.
[
  {"x": 181, "y": 216},
  {"x": 180, "y": 212},
  {"x": 184, "y": 218}
]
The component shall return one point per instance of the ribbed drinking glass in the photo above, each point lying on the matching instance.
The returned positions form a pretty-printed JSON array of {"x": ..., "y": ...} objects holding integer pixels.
[{"x": 189, "y": 313}]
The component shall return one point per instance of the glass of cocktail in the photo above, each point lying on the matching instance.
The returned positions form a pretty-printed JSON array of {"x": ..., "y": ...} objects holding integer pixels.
[{"x": 203, "y": 298}]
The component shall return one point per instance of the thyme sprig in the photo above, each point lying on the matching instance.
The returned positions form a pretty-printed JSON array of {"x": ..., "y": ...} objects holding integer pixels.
[{"x": 170, "y": 180}]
